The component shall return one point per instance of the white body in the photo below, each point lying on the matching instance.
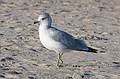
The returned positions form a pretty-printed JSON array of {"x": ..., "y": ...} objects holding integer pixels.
[{"x": 47, "y": 40}]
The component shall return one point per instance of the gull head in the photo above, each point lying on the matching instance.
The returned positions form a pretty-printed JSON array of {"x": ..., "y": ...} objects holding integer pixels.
[{"x": 44, "y": 17}]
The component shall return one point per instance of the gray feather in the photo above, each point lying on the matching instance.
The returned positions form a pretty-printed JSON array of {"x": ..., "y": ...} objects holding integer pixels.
[{"x": 67, "y": 40}]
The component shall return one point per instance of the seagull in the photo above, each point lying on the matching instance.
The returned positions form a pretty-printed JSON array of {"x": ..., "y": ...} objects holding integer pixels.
[{"x": 58, "y": 40}]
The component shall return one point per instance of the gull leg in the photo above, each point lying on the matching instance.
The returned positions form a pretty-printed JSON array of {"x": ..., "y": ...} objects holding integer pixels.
[{"x": 59, "y": 59}]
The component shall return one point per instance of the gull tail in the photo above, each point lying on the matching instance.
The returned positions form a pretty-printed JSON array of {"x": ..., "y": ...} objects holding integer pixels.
[
  {"x": 92, "y": 50},
  {"x": 81, "y": 46}
]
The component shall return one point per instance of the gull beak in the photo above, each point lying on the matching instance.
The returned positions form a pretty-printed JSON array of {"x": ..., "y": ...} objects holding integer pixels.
[{"x": 36, "y": 22}]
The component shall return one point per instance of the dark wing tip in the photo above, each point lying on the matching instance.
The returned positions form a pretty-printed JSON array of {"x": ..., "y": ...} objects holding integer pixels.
[{"x": 92, "y": 50}]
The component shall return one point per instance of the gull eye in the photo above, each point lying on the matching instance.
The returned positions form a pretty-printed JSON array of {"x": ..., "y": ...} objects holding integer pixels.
[{"x": 44, "y": 18}]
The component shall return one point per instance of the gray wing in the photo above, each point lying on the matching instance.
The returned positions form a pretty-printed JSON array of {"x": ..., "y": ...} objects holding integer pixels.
[{"x": 67, "y": 40}]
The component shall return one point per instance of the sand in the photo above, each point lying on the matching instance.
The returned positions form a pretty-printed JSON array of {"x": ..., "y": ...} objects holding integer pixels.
[{"x": 22, "y": 56}]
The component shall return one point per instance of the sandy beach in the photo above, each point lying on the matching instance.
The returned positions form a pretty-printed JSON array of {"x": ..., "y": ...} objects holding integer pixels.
[{"x": 22, "y": 56}]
